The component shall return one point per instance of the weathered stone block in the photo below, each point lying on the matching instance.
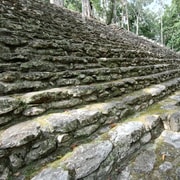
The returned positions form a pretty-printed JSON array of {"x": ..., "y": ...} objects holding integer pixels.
[
  {"x": 41, "y": 149},
  {"x": 86, "y": 131},
  {"x": 17, "y": 158},
  {"x": 53, "y": 174},
  {"x": 87, "y": 158},
  {"x": 33, "y": 111},
  {"x": 8, "y": 104},
  {"x": 62, "y": 122},
  {"x": 152, "y": 121},
  {"x": 19, "y": 134},
  {"x": 174, "y": 121}
]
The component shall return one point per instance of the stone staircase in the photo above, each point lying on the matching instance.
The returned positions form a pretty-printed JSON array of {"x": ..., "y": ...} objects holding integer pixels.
[{"x": 72, "y": 92}]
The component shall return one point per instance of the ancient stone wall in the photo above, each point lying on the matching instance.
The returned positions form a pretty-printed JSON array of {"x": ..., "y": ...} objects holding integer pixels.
[{"x": 66, "y": 82}]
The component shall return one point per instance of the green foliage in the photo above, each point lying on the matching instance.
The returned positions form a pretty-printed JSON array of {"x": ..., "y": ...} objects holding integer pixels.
[
  {"x": 74, "y": 5},
  {"x": 149, "y": 26},
  {"x": 171, "y": 20}
]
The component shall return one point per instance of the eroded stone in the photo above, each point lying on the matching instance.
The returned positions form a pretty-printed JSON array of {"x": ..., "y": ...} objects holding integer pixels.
[
  {"x": 87, "y": 158},
  {"x": 144, "y": 163},
  {"x": 174, "y": 121},
  {"x": 172, "y": 138},
  {"x": 64, "y": 122},
  {"x": 126, "y": 133},
  {"x": 53, "y": 174},
  {"x": 40, "y": 149},
  {"x": 8, "y": 104},
  {"x": 151, "y": 121},
  {"x": 19, "y": 134}
]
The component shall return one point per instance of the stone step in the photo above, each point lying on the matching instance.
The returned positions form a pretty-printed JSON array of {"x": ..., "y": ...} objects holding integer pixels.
[
  {"x": 108, "y": 155},
  {"x": 27, "y": 105},
  {"x": 163, "y": 157},
  {"x": 92, "y": 40},
  {"x": 28, "y": 141},
  {"x": 22, "y": 61},
  {"x": 86, "y": 76},
  {"x": 116, "y": 49},
  {"x": 135, "y": 82},
  {"x": 125, "y": 62},
  {"x": 92, "y": 30},
  {"x": 71, "y": 49}
]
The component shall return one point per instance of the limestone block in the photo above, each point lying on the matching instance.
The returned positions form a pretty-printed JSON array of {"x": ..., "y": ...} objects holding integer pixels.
[
  {"x": 64, "y": 103},
  {"x": 17, "y": 158},
  {"x": 62, "y": 138},
  {"x": 156, "y": 90},
  {"x": 82, "y": 91},
  {"x": 152, "y": 121},
  {"x": 42, "y": 96},
  {"x": 126, "y": 133},
  {"x": 62, "y": 122},
  {"x": 91, "y": 98},
  {"x": 165, "y": 166},
  {"x": 34, "y": 76},
  {"x": 40, "y": 149},
  {"x": 146, "y": 138},
  {"x": 5, "y": 119},
  {"x": 88, "y": 79},
  {"x": 87, "y": 158},
  {"x": 53, "y": 174},
  {"x": 86, "y": 116},
  {"x": 123, "y": 137},
  {"x": 19, "y": 134},
  {"x": 125, "y": 174},
  {"x": 9, "y": 76},
  {"x": 20, "y": 86},
  {"x": 145, "y": 162},
  {"x": 38, "y": 65},
  {"x": 33, "y": 111},
  {"x": 8, "y": 104},
  {"x": 86, "y": 131},
  {"x": 171, "y": 137},
  {"x": 174, "y": 121}
]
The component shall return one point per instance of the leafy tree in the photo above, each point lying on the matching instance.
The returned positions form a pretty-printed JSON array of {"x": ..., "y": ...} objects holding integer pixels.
[
  {"x": 149, "y": 26},
  {"x": 75, "y": 5},
  {"x": 105, "y": 10},
  {"x": 137, "y": 9},
  {"x": 171, "y": 20}
]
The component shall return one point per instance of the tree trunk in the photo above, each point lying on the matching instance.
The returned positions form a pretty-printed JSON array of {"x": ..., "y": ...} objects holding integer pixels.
[
  {"x": 57, "y": 2},
  {"x": 127, "y": 17},
  {"x": 137, "y": 24},
  {"x": 114, "y": 18},
  {"x": 162, "y": 39},
  {"x": 110, "y": 11},
  {"x": 86, "y": 8}
]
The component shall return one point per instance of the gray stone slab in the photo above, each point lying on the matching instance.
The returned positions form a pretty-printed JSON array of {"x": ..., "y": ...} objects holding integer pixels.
[
  {"x": 52, "y": 174},
  {"x": 171, "y": 137},
  {"x": 87, "y": 158},
  {"x": 8, "y": 104},
  {"x": 19, "y": 134}
]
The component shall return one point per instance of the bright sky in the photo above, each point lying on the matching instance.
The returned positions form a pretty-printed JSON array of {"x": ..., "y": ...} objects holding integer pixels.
[{"x": 155, "y": 7}]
